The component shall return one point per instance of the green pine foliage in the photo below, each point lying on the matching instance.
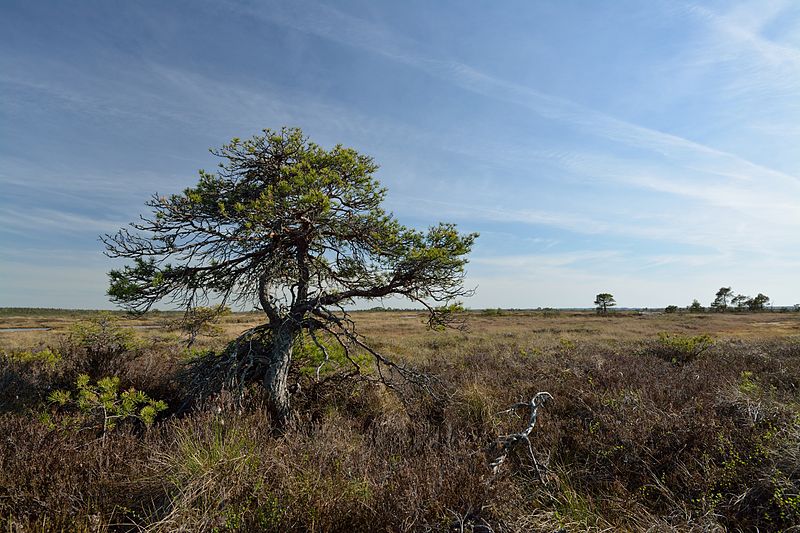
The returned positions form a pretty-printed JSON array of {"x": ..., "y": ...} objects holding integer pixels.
[{"x": 101, "y": 405}]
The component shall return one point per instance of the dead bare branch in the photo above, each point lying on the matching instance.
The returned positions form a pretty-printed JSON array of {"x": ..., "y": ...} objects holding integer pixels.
[{"x": 509, "y": 442}]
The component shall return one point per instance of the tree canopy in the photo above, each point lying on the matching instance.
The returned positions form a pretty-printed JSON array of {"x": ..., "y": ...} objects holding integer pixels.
[
  {"x": 696, "y": 307},
  {"x": 289, "y": 225},
  {"x": 603, "y": 301},
  {"x": 758, "y": 302},
  {"x": 720, "y": 302},
  {"x": 294, "y": 229},
  {"x": 738, "y": 302}
]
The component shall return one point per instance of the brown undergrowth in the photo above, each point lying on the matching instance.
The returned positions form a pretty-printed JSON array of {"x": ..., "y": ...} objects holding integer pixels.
[{"x": 646, "y": 432}]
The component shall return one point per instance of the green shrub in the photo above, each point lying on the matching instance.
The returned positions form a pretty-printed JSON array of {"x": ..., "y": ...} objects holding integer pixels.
[
  {"x": 102, "y": 405},
  {"x": 46, "y": 356},
  {"x": 682, "y": 348},
  {"x": 671, "y": 309},
  {"x": 309, "y": 357},
  {"x": 567, "y": 344},
  {"x": 747, "y": 384},
  {"x": 102, "y": 335}
]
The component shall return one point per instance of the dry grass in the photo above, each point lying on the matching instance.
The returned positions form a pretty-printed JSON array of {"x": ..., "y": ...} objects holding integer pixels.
[{"x": 636, "y": 439}]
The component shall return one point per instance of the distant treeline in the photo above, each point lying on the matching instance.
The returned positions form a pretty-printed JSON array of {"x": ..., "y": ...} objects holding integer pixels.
[
  {"x": 39, "y": 311},
  {"x": 696, "y": 307},
  {"x": 48, "y": 311}
]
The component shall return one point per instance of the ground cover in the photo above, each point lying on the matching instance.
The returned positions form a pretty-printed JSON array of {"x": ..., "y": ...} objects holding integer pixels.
[{"x": 658, "y": 422}]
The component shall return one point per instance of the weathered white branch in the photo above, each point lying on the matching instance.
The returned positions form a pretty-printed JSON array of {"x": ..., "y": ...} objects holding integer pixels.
[
  {"x": 321, "y": 346},
  {"x": 509, "y": 442}
]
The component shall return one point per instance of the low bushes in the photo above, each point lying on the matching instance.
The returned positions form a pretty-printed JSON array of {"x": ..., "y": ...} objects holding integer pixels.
[{"x": 680, "y": 348}]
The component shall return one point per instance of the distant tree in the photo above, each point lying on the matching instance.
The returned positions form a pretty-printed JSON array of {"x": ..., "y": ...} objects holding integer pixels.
[
  {"x": 720, "y": 303},
  {"x": 796, "y": 308},
  {"x": 671, "y": 309},
  {"x": 740, "y": 301},
  {"x": 603, "y": 301},
  {"x": 757, "y": 303},
  {"x": 299, "y": 231},
  {"x": 696, "y": 307}
]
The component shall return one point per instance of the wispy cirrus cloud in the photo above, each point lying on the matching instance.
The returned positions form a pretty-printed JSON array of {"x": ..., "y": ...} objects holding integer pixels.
[
  {"x": 714, "y": 230},
  {"x": 748, "y": 206},
  {"x": 748, "y": 67},
  {"x": 333, "y": 24},
  {"x": 741, "y": 30},
  {"x": 37, "y": 220},
  {"x": 545, "y": 260}
]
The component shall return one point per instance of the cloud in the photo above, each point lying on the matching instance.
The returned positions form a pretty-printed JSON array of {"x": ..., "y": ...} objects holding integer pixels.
[
  {"x": 742, "y": 28},
  {"x": 749, "y": 207},
  {"x": 748, "y": 66},
  {"x": 38, "y": 220},
  {"x": 335, "y": 25}
]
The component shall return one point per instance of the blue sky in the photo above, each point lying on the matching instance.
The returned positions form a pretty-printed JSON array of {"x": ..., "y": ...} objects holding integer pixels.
[{"x": 647, "y": 149}]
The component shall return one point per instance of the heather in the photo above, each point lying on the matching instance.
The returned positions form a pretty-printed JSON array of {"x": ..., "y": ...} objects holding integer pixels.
[{"x": 658, "y": 422}]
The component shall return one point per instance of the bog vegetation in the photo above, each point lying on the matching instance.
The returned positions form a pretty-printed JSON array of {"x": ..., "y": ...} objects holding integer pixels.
[{"x": 658, "y": 422}]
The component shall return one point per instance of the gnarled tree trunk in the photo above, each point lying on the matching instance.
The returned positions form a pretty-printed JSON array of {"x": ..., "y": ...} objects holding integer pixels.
[{"x": 279, "y": 358}]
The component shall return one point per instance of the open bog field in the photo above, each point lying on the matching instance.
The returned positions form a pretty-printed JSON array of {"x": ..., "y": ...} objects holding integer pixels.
[{"x": 657, "y": 423}]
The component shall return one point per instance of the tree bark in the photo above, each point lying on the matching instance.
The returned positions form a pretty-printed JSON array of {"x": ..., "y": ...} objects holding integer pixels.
[{"x": 279, "y": 359}]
